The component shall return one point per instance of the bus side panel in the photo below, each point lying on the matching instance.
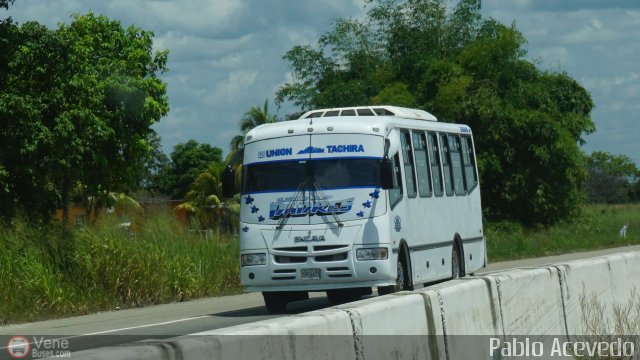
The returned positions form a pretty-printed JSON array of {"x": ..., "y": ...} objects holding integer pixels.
[{"x": 430, "y": 224}]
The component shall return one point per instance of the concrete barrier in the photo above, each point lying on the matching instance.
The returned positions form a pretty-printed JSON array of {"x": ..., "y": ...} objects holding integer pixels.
[
  {"x": 395, "y": 326},
  {"x": 463, "y": 307},
  {"x": 605, "y": 282},
  {"x": 582, "y": 281},
  {"x": 396, "y": 314},
  {"x": 327, "y": 333},
  {"x": 530, "y": 301},
  {"x": 625, "y": 267},
  {"x": 466, "y": 307}
]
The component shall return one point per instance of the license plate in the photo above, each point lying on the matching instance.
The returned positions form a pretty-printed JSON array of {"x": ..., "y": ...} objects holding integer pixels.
[{"x": 310, "y": 274}]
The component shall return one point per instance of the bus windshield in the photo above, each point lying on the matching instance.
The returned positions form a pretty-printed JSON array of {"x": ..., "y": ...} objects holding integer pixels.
[{"x": 324, "y": 173}]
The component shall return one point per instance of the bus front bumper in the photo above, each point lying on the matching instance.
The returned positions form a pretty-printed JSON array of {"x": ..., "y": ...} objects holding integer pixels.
[{"x": 313, "y": 275}]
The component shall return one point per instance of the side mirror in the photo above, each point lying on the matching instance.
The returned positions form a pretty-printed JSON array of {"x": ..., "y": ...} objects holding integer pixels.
[
  {"x": 386, "y": 173},
  {"x": 228, "y": 182}
]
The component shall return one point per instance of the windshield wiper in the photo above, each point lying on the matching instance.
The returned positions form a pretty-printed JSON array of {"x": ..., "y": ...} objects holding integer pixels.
[
  {"x": 286, "y": 214},
  {"x": 329, "y": 206}
]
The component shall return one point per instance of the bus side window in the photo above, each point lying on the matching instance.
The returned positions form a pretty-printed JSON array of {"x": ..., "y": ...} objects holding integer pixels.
[
  {"x": 456, "y": 165},
  {"x": 409, "y": 167},
  {"x": 469, "y": 164},
  {"x": 434, "y": 159},
  {"x": 446, "y": 164},
  {"x": 422, "y": 164},
  {"x": 395, "y": 193}
]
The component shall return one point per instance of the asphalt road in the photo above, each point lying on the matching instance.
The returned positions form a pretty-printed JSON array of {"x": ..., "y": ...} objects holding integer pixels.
[{"x": 164, "y": 321}]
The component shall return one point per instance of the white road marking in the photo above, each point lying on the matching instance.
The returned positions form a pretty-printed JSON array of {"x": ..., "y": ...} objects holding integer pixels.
[
  {"x": 146, "y": 326},
  {"x": 123, "y": 329}
]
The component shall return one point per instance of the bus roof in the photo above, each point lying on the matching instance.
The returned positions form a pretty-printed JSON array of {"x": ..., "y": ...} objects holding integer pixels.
[
  {"x": 373, "y": 120},
  {"x": 384, "y": 110}
]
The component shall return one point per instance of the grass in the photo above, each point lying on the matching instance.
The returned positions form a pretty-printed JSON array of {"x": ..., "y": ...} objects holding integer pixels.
[
  {"x": 596, "y": 228},
  {"x": 621, "y": 323},
  {"x": 45, "y": 274}
]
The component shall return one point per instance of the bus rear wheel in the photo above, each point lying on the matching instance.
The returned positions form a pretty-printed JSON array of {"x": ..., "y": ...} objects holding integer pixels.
[
  {"x": 455, "y": 262},
  {"x": 401, "y": 278}
]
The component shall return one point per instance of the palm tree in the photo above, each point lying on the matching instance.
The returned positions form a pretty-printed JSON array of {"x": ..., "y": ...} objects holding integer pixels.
[
  {"x": 256, "y": 116},
  {"x": 203, "y": 201}
]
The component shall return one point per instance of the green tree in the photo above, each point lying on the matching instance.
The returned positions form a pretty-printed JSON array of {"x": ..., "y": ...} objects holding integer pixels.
[
  {"x": 77, "y": 108},
  {"x": 188, "y": 161},
  {"x": 528, "y": 124},
  {"x": 8, "y": 45},
  {"x": 634, "y": 194},
  {"x": 30, "y": 99},
  {"x": 397, "y": 94},
  {"x": 154, "y": 164},
  {"x": 611, "y": 178},
  {"x": 465, "y": 69},
  {"x": 7, "y": 42}
]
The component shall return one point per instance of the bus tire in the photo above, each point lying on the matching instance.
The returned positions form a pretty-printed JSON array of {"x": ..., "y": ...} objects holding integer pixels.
[
  {"x": 402, "y": 277},
  {"x": 275, "y": 301},
  {"x": 456, "y": 267}
]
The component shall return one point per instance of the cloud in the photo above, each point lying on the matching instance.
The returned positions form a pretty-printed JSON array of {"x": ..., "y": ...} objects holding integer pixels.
[
  {"x": 561, "y": 6},
  {"x": 237, "y": 83},
  {"x": 198, "y": 17},
  {"x": 188, "y": 47}
]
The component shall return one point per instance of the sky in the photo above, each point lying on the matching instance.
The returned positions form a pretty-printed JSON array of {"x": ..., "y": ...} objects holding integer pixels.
[{"x": 226, "y": 55}]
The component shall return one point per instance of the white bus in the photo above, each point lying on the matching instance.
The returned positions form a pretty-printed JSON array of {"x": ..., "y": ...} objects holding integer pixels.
[{"x": 346, "y": 199}]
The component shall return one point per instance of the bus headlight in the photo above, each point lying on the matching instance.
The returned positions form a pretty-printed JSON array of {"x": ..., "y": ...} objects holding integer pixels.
[
  {"x": 372, "y": 254},
  {"x": 253, "y": 259}
]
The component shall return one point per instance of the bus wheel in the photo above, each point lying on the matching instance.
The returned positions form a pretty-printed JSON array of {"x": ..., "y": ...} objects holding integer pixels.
[
  {"x": 455, "y": 262},
  {"x": 276, "y": 302},
  {"x": 401, "y": 279}
]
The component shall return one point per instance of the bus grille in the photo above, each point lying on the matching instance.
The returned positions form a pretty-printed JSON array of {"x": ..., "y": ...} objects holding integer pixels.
[
  {"x": 292, "y": 249},
  {"x": 290, "y": 259},
  {"x": 334, "y": 257},
  {"x": 328, "y": 247}
]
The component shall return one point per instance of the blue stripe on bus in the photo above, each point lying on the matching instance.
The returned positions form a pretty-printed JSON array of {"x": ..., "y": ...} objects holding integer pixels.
[
  {"x": 320, "y": 159},
  {"x": 276, "y": 161},
  {"x": 349, "y": 158}
]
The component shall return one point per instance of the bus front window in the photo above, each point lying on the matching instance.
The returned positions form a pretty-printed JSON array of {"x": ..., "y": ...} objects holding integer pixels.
[{"x": 326, "y": 174}]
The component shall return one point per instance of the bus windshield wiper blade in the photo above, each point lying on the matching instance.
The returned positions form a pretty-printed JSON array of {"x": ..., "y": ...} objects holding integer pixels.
[
  {"x": 323, "y": 197},
  {"x": 286, "y": 213}
]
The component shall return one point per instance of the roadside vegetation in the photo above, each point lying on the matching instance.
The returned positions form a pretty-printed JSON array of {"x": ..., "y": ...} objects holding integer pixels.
[
  {"x": 46, "y": 273},
  {"x": 617, "y": 324},
  {"x": 596, "y": 227}
]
